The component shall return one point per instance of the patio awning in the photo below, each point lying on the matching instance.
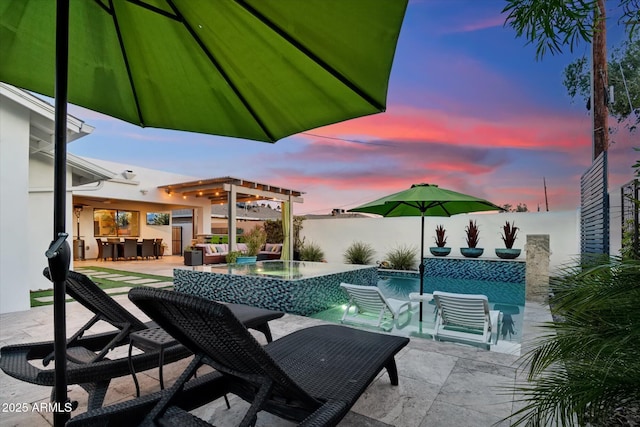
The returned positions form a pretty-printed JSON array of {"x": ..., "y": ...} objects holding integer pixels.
[
  {"x": 229, "y": 190},
  {"x": 217, "y": 190}
]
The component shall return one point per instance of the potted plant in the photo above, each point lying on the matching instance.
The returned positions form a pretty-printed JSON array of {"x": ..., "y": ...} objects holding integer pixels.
[
  {"x": 441, "y": 240},
  {"x": 509, "y": 233},
  {"x": 192, "y": 256},
  {"x": 473, "y": 237},
  {"x": 254, "y": 240},
  {"x": 232, "y": 257}
]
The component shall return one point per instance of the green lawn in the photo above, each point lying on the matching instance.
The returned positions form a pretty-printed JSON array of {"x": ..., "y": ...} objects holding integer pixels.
[{"x": 103, "y": 283}]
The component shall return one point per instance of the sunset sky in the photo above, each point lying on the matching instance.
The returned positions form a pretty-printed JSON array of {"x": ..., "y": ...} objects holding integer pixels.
[{"x": 468, "y": 108}]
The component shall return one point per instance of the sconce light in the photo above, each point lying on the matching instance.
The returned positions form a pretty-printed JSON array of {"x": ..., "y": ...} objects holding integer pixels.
[{"x": 77, "y": 209}]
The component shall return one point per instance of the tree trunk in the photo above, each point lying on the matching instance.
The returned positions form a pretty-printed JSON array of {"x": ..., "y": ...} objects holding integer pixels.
[{"x": 600, "y": 83}]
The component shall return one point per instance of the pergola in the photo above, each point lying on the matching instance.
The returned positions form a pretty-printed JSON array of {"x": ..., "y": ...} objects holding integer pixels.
[{"x": 232, "y": 190}]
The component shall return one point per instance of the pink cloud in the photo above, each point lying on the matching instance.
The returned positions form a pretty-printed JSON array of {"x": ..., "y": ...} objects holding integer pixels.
[{"x": 535, "y": 131}]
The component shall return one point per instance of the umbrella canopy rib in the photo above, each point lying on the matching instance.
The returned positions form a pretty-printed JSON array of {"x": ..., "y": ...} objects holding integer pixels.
[
  {"x": 325, "y": 66},
  {"x": 134, "y": 93},
  {"x": 178, "y": 17},
  {"x": 224, "y": 75}
]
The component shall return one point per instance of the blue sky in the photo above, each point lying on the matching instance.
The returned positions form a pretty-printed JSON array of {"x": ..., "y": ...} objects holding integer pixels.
[{"x": 469, "y": 108}]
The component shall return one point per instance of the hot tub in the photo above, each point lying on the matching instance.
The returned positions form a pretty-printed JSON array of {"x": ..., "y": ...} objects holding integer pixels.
[{"x": 298, "y": 287}]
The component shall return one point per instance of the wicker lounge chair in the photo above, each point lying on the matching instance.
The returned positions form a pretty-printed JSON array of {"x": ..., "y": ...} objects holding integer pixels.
[
  {"x": 312, "y": 376},
  {"x": 89, "y": 365}
]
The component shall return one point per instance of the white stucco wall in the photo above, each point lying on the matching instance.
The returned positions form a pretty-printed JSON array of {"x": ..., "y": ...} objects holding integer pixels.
[
  {"x": 15, "y": 246},
  {"x": 138, "y": 194},
  {"x": 335, "y": 235}
]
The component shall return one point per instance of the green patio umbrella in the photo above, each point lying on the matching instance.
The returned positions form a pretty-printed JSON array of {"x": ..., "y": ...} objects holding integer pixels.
[
  {"x": 253, "y": 69},
  {"x": 425, "y": 200}
]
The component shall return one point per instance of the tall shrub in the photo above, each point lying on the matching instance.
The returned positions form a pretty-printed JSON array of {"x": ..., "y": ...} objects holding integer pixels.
[
  {"x": 402, "y": 258},
  {"x": 359, "y": 253}
]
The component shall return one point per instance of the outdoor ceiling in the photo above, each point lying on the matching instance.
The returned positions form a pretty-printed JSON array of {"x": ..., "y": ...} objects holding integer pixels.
[{"x": 216, "y": 190}]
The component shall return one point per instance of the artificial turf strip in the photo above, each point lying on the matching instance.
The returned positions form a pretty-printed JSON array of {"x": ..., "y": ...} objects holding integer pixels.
[{"x": 103, "y": 283}]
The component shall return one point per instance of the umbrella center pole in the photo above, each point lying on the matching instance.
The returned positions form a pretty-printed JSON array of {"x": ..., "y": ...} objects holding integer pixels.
[
  {"x": 421, "y": 264},
  {"x": 59, "y": 256},
  {"x": 59, "y": 253}
]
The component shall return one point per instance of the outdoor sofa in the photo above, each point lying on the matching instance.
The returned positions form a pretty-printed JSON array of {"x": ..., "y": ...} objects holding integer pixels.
[{"x": 217, "y": 253}]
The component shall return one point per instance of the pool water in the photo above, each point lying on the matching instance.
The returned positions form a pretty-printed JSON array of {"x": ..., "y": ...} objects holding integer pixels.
[
  {"x": 507, "y": 297},
  {"x": 496, "y": 292}
]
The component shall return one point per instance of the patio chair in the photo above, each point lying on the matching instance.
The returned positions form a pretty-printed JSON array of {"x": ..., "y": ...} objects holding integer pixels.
[
  {"x": 465, "y": 318},
  {"x": 130, "y": 249},
  {"x": 368, "y": 300},
  {"x": 100, "y": 246},
  {"x": 87, "y": 355},
  {"x": 148, "y": 248},
  {"x": 312, "y": 376}
]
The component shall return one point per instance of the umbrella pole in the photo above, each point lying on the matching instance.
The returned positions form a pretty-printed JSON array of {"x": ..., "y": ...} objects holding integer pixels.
[
  {"x": 59, "y": 252},
  {"x": 421, "y": 266}
]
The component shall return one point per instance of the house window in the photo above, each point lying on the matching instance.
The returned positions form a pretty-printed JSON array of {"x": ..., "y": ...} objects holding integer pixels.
[{"x": 116, "y": 223}]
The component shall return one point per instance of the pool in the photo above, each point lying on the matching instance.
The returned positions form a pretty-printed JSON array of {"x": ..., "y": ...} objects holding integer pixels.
[
  {"x": 285, "y": 270},
  {"x": 297, "y": 287},
  {"x": 497, "y": 292},
  {"x": 506, "y": 296}
]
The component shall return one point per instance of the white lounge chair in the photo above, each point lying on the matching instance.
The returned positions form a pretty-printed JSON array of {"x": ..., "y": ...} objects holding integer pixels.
[
  {"x": 369, "y": 300},
  {"x": 465, "y": 318}
]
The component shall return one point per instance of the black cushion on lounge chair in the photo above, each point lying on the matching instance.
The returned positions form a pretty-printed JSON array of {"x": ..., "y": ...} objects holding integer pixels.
[
  {"x": 317, "y": 370},
  {"x": 89, "y": 365}
]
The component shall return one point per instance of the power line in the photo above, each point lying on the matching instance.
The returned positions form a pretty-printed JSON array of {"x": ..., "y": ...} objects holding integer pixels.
[{"x": 355, "y": 141}]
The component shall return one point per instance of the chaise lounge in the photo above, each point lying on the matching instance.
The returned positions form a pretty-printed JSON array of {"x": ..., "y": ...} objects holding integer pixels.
[
  {"x": 312, "y": 376},
  {"x": 465, "y": 318},
  {"x": 87, "y": 356},
  {"x": 368, "y": 300}
]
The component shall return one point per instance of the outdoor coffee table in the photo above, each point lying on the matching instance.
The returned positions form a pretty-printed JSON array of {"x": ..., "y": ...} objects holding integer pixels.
[
  {"x": 150, "y": 339},
  {"x": 415, "y": 296}
]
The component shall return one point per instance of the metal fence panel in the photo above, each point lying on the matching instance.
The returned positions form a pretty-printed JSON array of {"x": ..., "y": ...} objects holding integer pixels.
[{"x": 594, "y": 213}]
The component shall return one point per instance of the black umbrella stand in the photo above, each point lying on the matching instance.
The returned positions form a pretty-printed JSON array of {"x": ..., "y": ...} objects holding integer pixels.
[
  {"x": 59, "y": 252},
  {"x": 421, "y": 266}
]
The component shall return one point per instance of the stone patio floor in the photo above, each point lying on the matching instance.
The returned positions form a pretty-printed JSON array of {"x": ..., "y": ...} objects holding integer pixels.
[{"x": 441, "y": 384}]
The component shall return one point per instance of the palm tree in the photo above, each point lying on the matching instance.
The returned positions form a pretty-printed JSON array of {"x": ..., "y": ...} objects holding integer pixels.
[{"x": 588, "y": 363}]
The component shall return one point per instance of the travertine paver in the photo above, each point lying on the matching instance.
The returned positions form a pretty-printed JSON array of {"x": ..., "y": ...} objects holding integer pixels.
[
  {"x": 440, "y": 383},
  {"x": 142, "y": 281},
  {"x": 121, "y": 278}
]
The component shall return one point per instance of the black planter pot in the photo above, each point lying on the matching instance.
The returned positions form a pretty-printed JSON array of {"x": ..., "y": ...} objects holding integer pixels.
[
  {"x": 193, "y": 258},
  {"x": 471, "y": 252},
  {"x": 505, "y": 253},
  {"x": 439, "y": 251}
]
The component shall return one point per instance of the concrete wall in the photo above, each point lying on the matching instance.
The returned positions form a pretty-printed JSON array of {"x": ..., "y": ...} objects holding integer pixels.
[
  {"x": 15, "y": 244},
  {"x": 334, "y": 235},
  {"x": 39, "y": 226}
]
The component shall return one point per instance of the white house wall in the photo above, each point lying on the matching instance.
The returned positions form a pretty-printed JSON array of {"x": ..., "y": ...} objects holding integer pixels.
[
  {"x": 138, "y": 194},
  {"x": 335, "y": 235},
  {"x": 15, "y": 243}
]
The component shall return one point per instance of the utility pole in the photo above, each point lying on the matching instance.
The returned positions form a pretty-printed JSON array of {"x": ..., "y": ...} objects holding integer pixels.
[
  {"x": 546, "y": 200},
  {"x": 600, "y": 82}
]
